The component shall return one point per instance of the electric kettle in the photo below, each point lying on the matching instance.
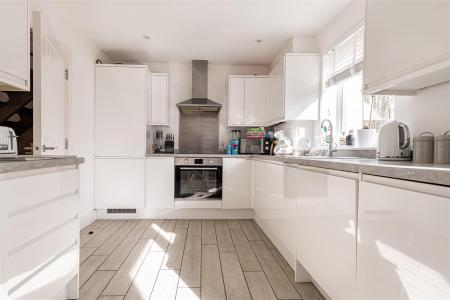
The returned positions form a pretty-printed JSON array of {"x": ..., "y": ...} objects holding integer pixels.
[{"x": 394, "y": 142}]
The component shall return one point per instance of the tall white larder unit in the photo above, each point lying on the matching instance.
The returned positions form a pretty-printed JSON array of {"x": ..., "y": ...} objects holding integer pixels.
[{"x": 120, "y": 136}]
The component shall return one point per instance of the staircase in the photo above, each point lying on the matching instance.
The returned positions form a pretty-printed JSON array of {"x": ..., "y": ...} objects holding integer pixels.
[{"x": 16, "y": 111}]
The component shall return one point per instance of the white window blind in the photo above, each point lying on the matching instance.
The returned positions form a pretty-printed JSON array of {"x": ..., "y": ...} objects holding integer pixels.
[{"x": 344, "y": 60}]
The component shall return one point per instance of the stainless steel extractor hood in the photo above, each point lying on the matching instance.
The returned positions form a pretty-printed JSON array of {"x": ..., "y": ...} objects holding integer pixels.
[{"x": 199, "y": 100}]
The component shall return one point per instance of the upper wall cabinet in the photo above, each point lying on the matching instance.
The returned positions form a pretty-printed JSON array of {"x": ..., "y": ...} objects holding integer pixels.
[
  {"x": 158, "y": 99},
  {"x": 14, "y": 46},
  {"x": 407, "y": 46},
  {"x": 294, "y": 89},
  {"x": 120, "y": 110},
  {"x": 247, "y": 100}
]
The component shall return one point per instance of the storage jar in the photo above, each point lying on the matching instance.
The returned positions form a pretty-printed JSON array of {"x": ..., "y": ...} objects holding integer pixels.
[
  {"x": 423, "y": 148},
  {"x": 442, "y": 148}
]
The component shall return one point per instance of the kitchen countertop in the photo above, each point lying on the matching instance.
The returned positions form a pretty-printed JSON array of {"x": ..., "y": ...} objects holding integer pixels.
[
  {"x": 9, "y": 165},
  {"x": 408, "y": 170}
]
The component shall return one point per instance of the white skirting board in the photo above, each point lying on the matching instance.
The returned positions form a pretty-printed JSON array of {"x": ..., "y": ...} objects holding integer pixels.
[
  {"x": 181, "y": 214},
  {"x": 87, "y": 219}
]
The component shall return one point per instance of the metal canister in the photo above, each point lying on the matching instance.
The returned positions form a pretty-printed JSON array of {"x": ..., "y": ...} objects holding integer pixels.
[
  {"x": 442, "y": 148},
  {"x": 423, "y": 151}
]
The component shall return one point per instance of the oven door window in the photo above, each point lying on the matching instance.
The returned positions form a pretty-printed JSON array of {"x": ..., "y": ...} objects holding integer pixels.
[{"x": 198, "y": 183}]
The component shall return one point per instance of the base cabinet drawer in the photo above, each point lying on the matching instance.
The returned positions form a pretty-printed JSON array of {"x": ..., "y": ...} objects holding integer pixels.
[{"x": 403, "y": 244}]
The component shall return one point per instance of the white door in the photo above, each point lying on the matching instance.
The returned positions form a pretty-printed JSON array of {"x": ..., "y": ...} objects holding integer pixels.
[
  {"x": 120, "y": 110},
  {"x": 236, "y": 92},
  {"x": 160, "y": 182},
  {"x": 119, "y": 183},
  {"x": 49, "y": 91},
  {"x": 255, "y": 101},
  {"x": 159, "y": 96},
  {"x": 236, "y": 183}
]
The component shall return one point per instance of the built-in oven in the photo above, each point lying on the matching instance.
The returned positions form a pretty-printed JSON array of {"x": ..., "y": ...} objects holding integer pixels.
[{"x": 198, "y": 179}]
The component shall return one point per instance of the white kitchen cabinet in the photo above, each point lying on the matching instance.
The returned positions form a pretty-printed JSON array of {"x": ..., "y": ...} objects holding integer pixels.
[
  {"x": 326, "y": 228},
  {"x": 275, "y": 205},
  {"x": 236, "y": 100},
  {"x": 158, "y": 99},
  {"x": 247, "y": 100},
  {"x": 236, "y": 183},
  {"x": 39, "y": 233},
  {"x": 120, "y": 110},
  {"x": 294, "y": 91},
  {"x": 255, "y": 101},
  {"x": 407, "y": 45},
  {"x": 403, "y": 240},
  {"x": 119, "y": 183},
  {"x": 15, "y": 45},
  {"x": 160, "y": 182}
]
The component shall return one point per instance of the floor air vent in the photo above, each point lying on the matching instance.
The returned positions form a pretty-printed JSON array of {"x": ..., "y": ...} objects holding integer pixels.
[{"x": 121, "y": 211}]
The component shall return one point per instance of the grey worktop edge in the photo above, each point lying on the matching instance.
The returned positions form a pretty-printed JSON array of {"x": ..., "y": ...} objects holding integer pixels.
[{"x": 18, "y": 166}]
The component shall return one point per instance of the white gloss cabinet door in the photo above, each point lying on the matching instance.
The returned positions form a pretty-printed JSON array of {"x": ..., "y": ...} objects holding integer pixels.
[
  {"x": 15, "y": 45},
  {"x": 119, "y": 183},
  {"x": 160, "y": 182},
  {"x": 404, "y": 243},
  {"x": 158, "y": 106},
  {"x": 236, "y": 183},
  {"x": 275, "y": 99},
  {"x": 236, "y": 100},
  {"x": 326, "y": 230},
  {"x": 255, "y": 101},
  {"x": 120, "y": 110}
]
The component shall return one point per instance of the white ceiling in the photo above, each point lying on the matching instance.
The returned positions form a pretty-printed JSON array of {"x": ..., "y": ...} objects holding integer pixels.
[{"x": 220, "y": 31}]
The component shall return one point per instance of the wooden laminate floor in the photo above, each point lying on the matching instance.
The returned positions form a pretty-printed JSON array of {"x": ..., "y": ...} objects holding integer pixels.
[{"x": 184, "y": 259}]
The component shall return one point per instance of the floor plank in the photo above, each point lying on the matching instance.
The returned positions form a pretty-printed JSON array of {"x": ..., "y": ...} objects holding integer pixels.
[
  {"x": 143, "y": 283},
  {"x": 152, "y": 231},
  {"x": 174, "y": 254},
  {"x": 250, "y": 230},
  {"x": 233, "y": 277},
  {"x": 119, "y": 254},
  {"x": 259, "y": 286},
  {"x": 108, "y": 246},
  {"x": 234, "y": 224},
  {"x": 278, "y": 280},
  {"x": 290, "y": 273},
  {"x": 89, "y": 267},
  {"x": 85, "y": 253},
  {"x": 182, "y": 224},
  {"x": 166, "y": 285},
  {"x": 191, "y": 265},
  {"x": 195, "y": 227},
  {"x": 208, "y": 233},
  {"x": 308, "y": 291},
  {"x": 188, "y": 294},
  {"x": 110, "y": 298},
  {"x": 263, "y": 236},
  {"x": 95, "y": 285},
  {"x": 164, "y": 235},
  {"x": 103, "y": 235},
  {"x": 224, "y": 241},
  {"x": 127, "y": 272},
  {"x": 247, "y": 257},
  {"x": 212, "y": 286}
]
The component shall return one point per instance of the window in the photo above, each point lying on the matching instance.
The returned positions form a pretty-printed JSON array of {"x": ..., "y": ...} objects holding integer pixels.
[{"x": 342, "y": 99}]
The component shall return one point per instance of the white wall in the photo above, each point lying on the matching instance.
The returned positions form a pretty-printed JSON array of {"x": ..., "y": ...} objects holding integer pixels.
[
  {"x": 429, "y": 110},
  {"x": 81, "y": 102},
  {"x": 180, "y": 77}
]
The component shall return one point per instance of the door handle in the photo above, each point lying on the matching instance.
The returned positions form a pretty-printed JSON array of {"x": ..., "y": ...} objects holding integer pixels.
[{"x": 45, "y": 148}]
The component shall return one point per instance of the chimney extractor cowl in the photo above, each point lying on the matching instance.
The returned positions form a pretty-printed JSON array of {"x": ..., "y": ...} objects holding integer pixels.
[{"x": 199, "y": 100}]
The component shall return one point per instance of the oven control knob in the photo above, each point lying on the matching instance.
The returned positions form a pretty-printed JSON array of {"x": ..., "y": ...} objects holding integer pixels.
[
  {"x": 186, "y": 161},
  {"x": 211, "y": 162}
]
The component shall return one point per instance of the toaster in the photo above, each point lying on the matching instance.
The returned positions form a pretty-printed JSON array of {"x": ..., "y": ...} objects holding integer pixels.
[
  {"x": 8, "y": 141},
  {"x": 394, "y": 142}
]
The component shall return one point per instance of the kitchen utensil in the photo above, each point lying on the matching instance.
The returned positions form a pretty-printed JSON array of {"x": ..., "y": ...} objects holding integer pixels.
[
  {"x": 442, "y": 148},
  {"x": 394, "y": 142},
  {"x": 423, "y": 151}
]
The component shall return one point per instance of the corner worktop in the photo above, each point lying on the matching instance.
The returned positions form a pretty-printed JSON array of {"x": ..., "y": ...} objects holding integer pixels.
[
  {"x": 407, "y": 170},
  {"x": 26, "y": 163}
]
